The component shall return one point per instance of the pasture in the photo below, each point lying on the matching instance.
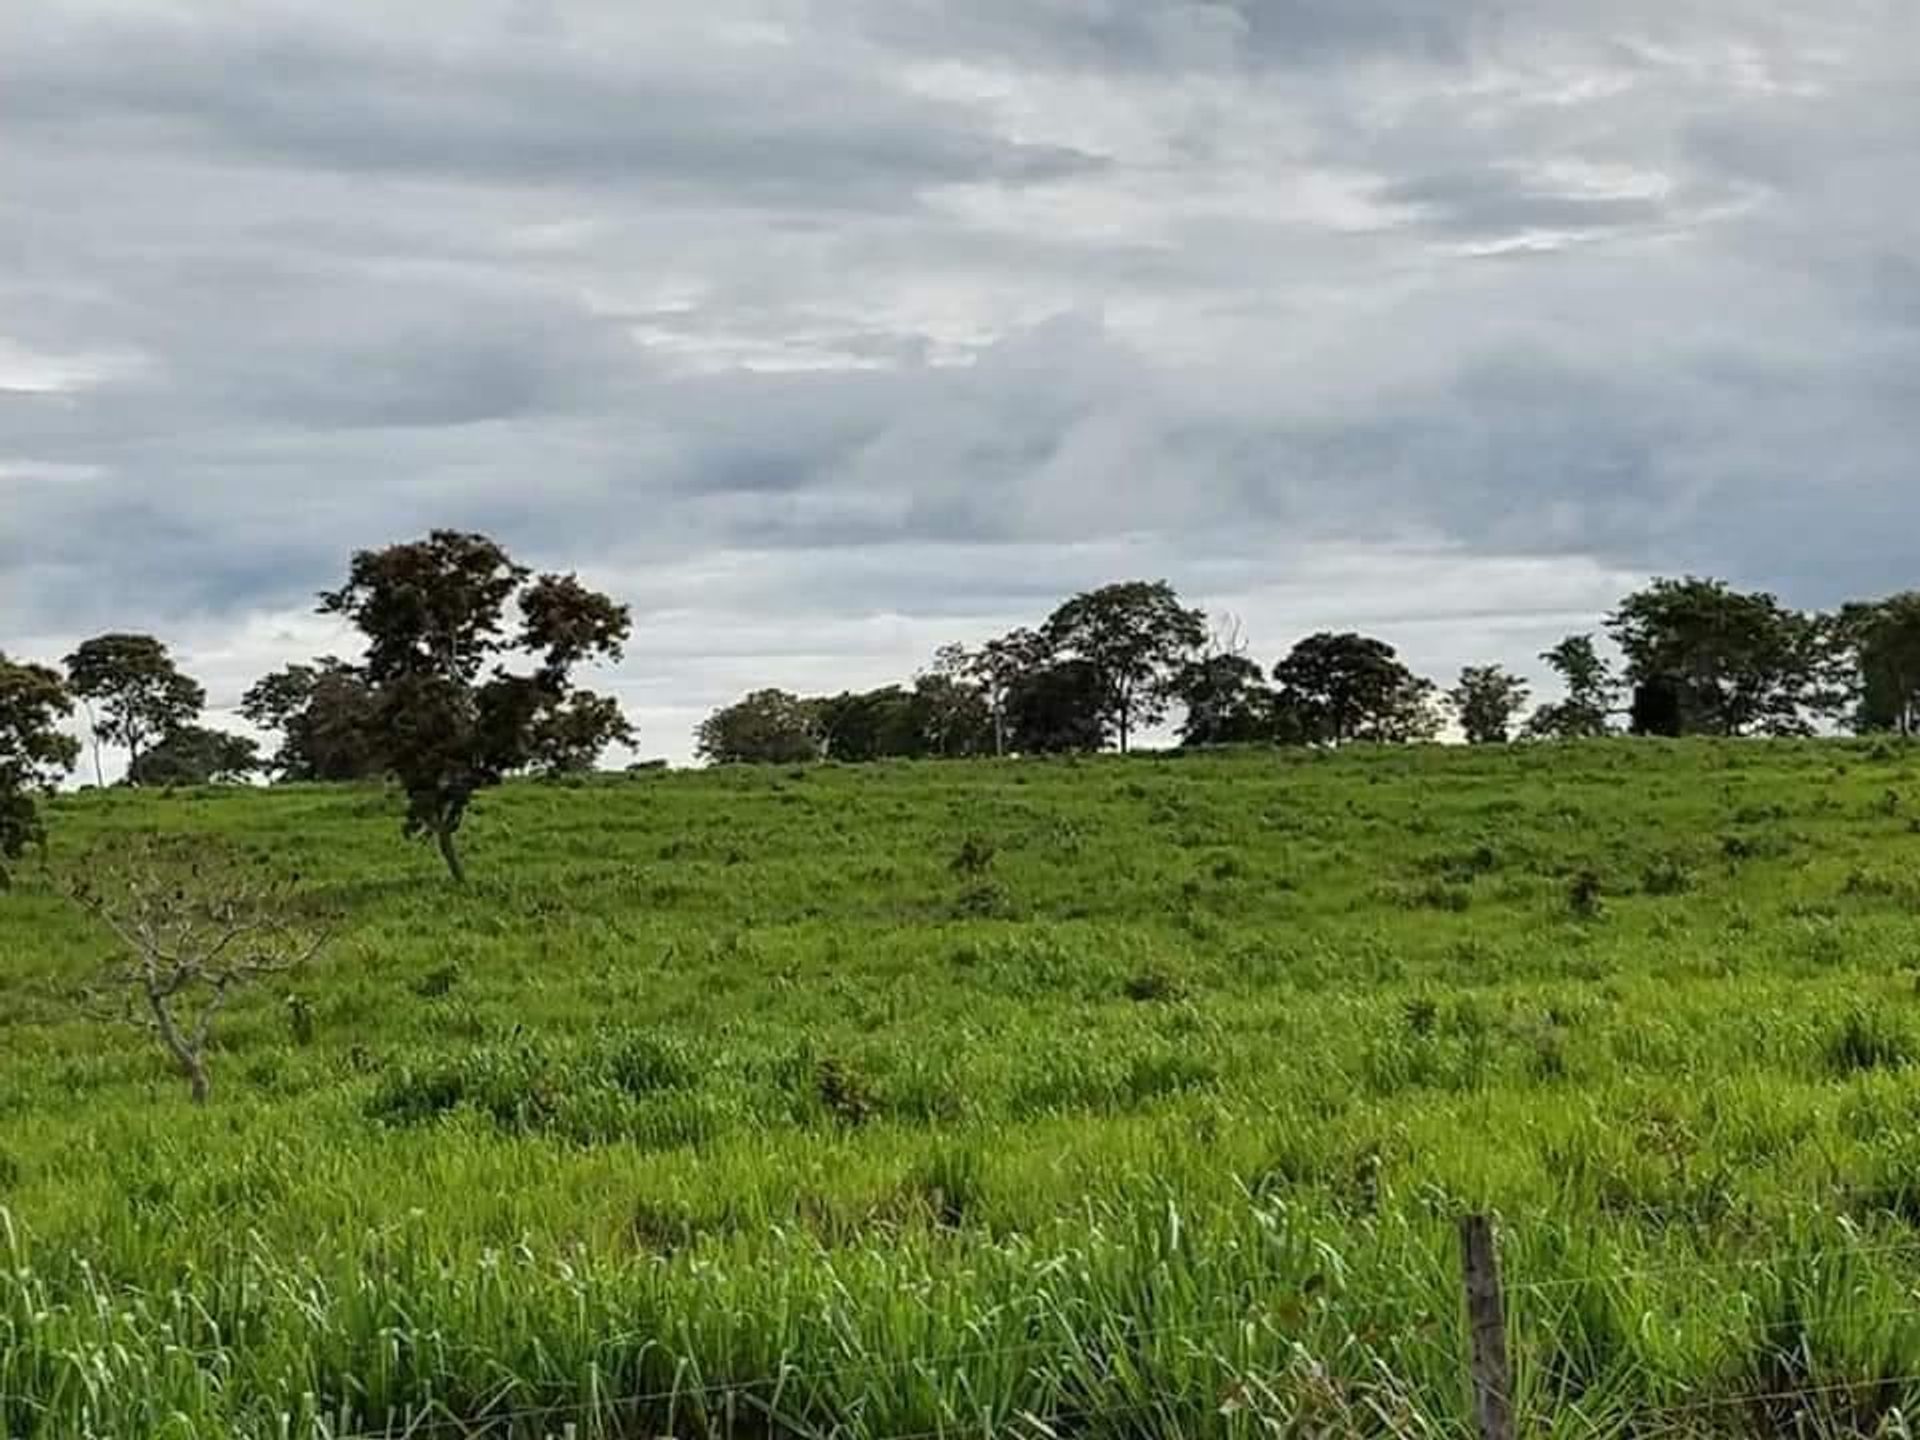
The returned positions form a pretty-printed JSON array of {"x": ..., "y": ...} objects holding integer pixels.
[{"x": 1119, "y": 1097}]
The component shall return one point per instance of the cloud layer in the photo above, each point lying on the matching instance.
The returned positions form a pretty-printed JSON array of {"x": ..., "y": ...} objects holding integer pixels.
[{"x": 829, "y": 330}]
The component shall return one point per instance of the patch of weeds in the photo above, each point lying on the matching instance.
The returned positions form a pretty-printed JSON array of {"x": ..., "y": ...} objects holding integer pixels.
[
  {"x": 641, "y": 1064},
  {"x": 1867, "y": 1040},
  {"x": 300, "y": 1021},
  {"x": 974, "y": 857},
  {"x": 1668, "y": 875},
  {"x": 1154, "y": 983},
  {"x": 438, "y": 982},
  {"x": 1586, "y": 896},
  {"x": 844, "y": 1091}
]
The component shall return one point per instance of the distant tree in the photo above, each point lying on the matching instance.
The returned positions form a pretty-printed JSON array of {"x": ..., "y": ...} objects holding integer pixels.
[
  {"x": 325, "y": 715},
  {"x": 954, "y": 716},
  {"x": 195, "y": 925},
  {"x": 1486, "y": 699},
  {"x": 1879, "y": 644},
  {"x": 1059, "y": 708},
  {"x": 34, "y": 753},
  {"x": 1337, "y": 688},
  {"x": 767, "y": 727},
  {"x": 1591, "y": 695},
  {"x": 995, "y": 668},
  {"x": 133, "y": 691},
  {"x": 450, "y": 718},
  {"x": 569, "y": 738},
  {"x": 1718, "y": 661},
  {"x": 866, "y": 725},
  {"x": 1135, "y": 636},
  {"x": 1227, "y": 701},
  {"x": 196, "y": 755}
]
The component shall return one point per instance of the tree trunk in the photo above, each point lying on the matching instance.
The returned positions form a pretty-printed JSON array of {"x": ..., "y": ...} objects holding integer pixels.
[
  {"x": 184, "y": 1055},
  {"x": 451, "y": 854},
  {"x": 93, "y": 735}
]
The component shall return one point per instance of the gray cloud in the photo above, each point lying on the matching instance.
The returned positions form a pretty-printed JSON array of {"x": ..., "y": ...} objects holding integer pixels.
[{"x": 827, "y": 332}]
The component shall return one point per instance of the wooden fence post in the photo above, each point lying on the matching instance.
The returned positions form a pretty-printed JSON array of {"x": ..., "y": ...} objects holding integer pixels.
[{"x": 1487, "y": 1330}]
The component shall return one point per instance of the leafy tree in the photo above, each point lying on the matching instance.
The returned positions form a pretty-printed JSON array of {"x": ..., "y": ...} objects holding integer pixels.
[
  {"x": 766, "y": 727},
  {"x": 133, "y": 691},
  {"x": 325, "y": 716},
  {"x": 34, "y": 752},
  {"x": 1591, "y": 693},
  {"x": 196, "y": 755},
  {"x": 1881, "y": 642},
  {"x": 569, "y": 738},
  {"x": 450, "y": 718},
  {"x": 1713, "y": 660},
  {"x": 954, "y": 716},
  {"x": 1487, "y": 698},
  {"x": 1227, "y": 700},
  {"x": 1346, "y": 687},
  {"x": 872, "y": 725},
  {"x": 995, "y": 668},
  {"x": 1135, "y": 636},
  {"x": 1059, "y": 708}
]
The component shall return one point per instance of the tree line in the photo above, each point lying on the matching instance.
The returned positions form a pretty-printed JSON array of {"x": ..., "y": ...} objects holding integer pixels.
[
  {"x": 468, "y": 678},
  {"x": 1696, "y": 657}
]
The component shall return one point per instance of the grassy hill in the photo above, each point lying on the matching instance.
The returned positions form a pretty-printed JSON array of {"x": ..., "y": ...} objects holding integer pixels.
[{"x": 1140, "y": 1096}]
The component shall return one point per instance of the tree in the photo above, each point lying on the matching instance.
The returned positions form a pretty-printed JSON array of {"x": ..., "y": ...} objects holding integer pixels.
[
  {"x": 139, "y": 692},
  {"x": 1591, "y": 693},
  {"x": 449, "y": 717},
  {"x": 1227, "y": 701},
  {"x": 195, "y": 926},
  {"x": 1059, "y": 708},
  {"x": 324, "y": 713},
  {"x": 954, "y": 716},
  {"x": 1353, "y": 687},
  {"x": 569, "y": 738},
  {"x": 34, "y": 753},
  {"x": 995, "y": 668},
  {"x": 1713, "y": 660},
  {"x": 871, "y": 725},
  {"x": 766, "y": 727},
  {"x": 196, "y": 755},
  {"x": 1487, "y": 698},
  {"x": 1135, "y": 636},
  {"x": 1880, "y": 642}
]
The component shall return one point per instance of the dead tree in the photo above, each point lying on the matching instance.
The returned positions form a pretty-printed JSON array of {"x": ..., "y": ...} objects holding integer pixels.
[{"x": 194, "y": 925}]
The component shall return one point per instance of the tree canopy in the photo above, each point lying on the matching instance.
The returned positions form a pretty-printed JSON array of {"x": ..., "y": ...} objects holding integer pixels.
[
  {"x": 450, "y": 717},
  {"x": 1342, "y": 687},
  {"x": 35, "y": 753},
  {"x": 1134, "y": 637},
  {"x": 134, "y": 692}
]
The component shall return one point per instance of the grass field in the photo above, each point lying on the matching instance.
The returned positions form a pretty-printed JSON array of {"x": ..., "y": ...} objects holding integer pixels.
[{"x": 1112, "y": 1098}]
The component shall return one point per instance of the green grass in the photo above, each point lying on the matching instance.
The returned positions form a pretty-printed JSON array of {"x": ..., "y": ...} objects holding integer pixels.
[{"x": 1110, "y": 1098}]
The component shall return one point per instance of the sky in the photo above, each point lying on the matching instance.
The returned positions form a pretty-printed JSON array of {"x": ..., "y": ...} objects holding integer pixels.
[{"x": 825, "y": 332}]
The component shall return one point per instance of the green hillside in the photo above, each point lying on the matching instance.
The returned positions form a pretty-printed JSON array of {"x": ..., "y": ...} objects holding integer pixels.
[{"x": 1121, "y": 1097}]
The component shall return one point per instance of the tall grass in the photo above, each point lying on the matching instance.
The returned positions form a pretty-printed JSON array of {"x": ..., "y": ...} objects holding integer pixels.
[{"x": 716, "y": 1106}]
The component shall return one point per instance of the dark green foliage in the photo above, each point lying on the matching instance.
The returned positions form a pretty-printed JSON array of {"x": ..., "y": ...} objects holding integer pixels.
[
  {"x": 1585, "y": 710},
  {"x": 134, "y": 691},
  {"x": 451, "y": 720},
  {"x": 1486, "y": 701},
  {"x": 1057, "y": 710},
  {"x": 326, "y": 716},
  {"x": 1706, "y": 659},
  {"x": 1132, "y": 640},
  {"x": 196, "y": 755},
  {"x": 1227, "y": 701},
  {"x": 34, "y": 753},
  {"x": 1348, "y": 687},
  {"x": 767, "y": 727}
]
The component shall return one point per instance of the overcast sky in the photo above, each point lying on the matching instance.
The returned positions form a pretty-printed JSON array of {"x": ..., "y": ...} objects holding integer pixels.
[{"x": 827, "y": 331}]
